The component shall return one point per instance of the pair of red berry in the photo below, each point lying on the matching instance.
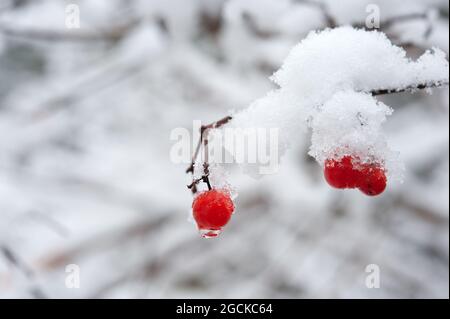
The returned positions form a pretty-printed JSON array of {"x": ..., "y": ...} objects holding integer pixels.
[
  {"x": 348, "y": 172},
  {"x": 212, "y": 210}
]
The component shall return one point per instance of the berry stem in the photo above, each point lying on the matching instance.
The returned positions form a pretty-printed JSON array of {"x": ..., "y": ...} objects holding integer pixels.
[
  {"x": 206, "y": 163},
  {"x": 203, "y": 140}
]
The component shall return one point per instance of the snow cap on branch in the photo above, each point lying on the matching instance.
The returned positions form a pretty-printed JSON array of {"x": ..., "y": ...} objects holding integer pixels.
[
  {"x": 326, "y": 84},
  {"x": 345, "y": 58}
]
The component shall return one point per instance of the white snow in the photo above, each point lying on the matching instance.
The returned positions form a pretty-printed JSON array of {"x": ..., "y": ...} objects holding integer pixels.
[
  {"x": 345, "y": 58},
  {"x": 325, "y": 83}
]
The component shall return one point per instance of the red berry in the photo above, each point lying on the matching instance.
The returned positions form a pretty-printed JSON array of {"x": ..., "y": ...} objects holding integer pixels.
[
  {"x": 342, "y": 173},
  {"x": 373, "y": 180},
  {"x": 212, "y": 210}
]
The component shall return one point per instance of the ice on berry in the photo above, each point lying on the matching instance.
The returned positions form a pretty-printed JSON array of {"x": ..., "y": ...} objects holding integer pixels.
[
  {"x": 212, "y": 210},
  {"x": 219, "y": 180}
]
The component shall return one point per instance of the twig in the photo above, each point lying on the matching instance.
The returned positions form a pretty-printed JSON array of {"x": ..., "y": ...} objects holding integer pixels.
[
  {"x": 407, "y": 17},
  {"x": 212, "y": 22},
  {"x": 329, "y": 19},
  {"x": 194, "y": 183},
  {"x": 25, "y": 269},
  {"x": 389, "y": 23},
  {"x": 410, "y": 88},
  {"x": 14, "y": 260},
  {"x": 113, "y": 34},
  {"x": 104, "y": 241},
  {"x": 203, "y": 140},
  {"x": 206, "y": 162},
  {"x": 386, "y": 24},
  {"x": 96, "y": 84},
  {"x": 251, "y": 24},
  {"x": 190, "y": 169}
]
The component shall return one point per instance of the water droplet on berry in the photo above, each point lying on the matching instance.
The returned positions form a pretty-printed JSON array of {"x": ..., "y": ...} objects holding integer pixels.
[
  {"x": 210, "y": 233},
  {"x": 212, "y": 210}
]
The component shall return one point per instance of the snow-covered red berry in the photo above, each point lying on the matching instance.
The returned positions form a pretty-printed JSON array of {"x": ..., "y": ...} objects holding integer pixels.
[
  {"x": 373, "y": 180},
  {"x": 342, "y": 173},
  {"x": 212, "y": 210},
  {"x": 348, "y": 172}
]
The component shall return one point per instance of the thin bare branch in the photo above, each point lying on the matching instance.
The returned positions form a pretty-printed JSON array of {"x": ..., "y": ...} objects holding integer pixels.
[
  {"x": 410, "y": 88},
  {"x": 13, "y": 259},
  {"x": 203, "y": 140},
  {"x": 103, "y": 241},
  {"x": 388, "y": 23},
  {"x": 329, "y": 19},
  {"x": 403, "y": 18},
  {"x": 111, "y": 34}
]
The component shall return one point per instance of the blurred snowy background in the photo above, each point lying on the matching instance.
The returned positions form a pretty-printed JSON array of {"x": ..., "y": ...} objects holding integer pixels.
[{"x": 86, "y": 177}]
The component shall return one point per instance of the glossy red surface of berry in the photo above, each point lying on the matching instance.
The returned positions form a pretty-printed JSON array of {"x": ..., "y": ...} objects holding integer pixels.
[
  {"x": 373, "y": 181},
  {"x": 212, "y": 210},
  {"x": 349, "y": 173},
  {"x": 342, "y": 173}
]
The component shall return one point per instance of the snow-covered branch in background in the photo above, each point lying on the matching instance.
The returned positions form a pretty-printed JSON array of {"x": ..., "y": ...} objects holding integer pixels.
[{"x": 328, "y": 84}]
